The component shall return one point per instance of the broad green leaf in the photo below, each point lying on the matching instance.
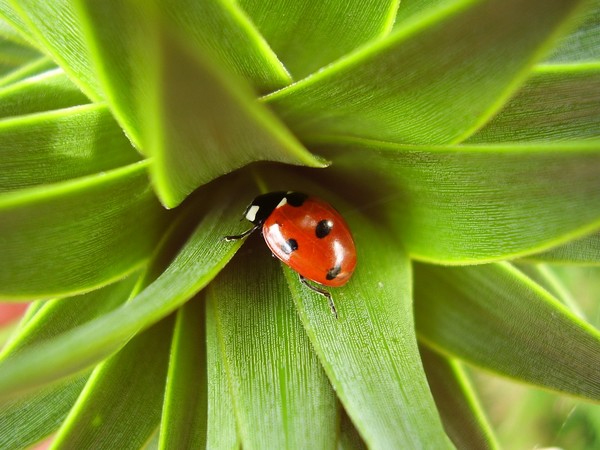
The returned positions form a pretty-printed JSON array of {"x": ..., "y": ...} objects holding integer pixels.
[
  {"x": 495, "y": 317},
  {"x": 281, "y": 396},
  {"x": 307, "y": 35},
  {"x": 184, "y": 415},
  {"x": 13, "y": 19},
  {"x": 220, "y": 427},
  {"x": 57, "y": 146},
  {"x": 463, "y": 418},
  {"x": 414, "y": 10},
  {"x": 56, "y": 26},
  {"x": 178, "y": 104},
  {"x": 42, "y": 92},
  {"x": 55, "y": 317},
  {"x": 370, "y": 354},
  {"x": 199, "y": 261},
  {"x": 76, "y": 235},
  {"x": 30, "y": 418},
  {"x": 465, "y": 204},
  {"x": 546, "y": 278},
  {"x": 35, "y": 67},
  {"x": 14, "y": 55},
  {"x": 585, "y": 250},
  {"x": 557, "y": 103},
  {"x": 583, "y": 43},
  {"x": 202, "y": 143},
  {"x": 220, "y": 28},
  {"x": 35, "y": 415},
  {"x": 435, "y": 81},
  {"x": 8, "y": 31},
  {"x": 121, "y": 404}
]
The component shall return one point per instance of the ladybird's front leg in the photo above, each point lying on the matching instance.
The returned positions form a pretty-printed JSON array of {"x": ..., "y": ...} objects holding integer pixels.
[{"x": 237, "y": 237}]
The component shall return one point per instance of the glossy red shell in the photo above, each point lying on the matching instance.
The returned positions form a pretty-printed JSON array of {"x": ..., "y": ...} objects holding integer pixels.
[{"x": 315, "y": 257}]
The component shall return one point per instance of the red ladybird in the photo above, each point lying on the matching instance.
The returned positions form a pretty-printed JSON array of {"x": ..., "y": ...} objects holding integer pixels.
[{"x": 307, "y": 234}]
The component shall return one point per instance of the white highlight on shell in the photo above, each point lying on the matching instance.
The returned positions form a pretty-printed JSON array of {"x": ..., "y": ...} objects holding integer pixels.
[
  {"x": 251, "y": 214},
  {"x": 281, "y": 203}
]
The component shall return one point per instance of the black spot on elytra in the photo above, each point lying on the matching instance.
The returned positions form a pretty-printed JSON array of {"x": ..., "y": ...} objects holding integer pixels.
[
  {"x": 333, "y": 272},
  {"x": 289, "y": 246},
  {"x": 296, "y": 198},
  {"x": 323, "y": 228}
]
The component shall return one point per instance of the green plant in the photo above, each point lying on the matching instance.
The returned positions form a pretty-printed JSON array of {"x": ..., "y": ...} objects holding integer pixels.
[{"x": 457, "y": 135}]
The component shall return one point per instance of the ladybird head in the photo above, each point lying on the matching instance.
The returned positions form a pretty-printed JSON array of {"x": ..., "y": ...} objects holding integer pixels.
[{"x": 263, "y": 205}]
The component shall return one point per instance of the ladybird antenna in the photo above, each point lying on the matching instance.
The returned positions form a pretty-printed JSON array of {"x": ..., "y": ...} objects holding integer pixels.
[{"x": 322, "y": 292}]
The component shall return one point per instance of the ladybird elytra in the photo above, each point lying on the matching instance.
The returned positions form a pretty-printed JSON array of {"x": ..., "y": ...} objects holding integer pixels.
[{"x": 307, "y": 234}]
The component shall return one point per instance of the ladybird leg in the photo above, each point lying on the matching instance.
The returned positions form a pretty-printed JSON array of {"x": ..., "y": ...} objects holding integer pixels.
[
  {"x": 323, "y": 292},
  {"x": 243, "y": 235}
]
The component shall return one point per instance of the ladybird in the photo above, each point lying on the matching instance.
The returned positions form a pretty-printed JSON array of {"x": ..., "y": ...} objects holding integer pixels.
[{"x": 308, "y": 235}]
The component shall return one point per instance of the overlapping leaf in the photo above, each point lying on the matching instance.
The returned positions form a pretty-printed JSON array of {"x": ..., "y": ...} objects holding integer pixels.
[
  {"x": 433, "y": 82},
  {"x": 197, "y": 263},
  {"x": 303, "y": 33},
  {"x": 61, "y": 145},
  {"x": 42, "y": 92},
  {"x": 184, "y": 415},
  {"x": 178, "y": 104},
  {"x": 30, "y": 418},
  {"x": 585, "y": 250},
  {"x": 461, "y": 413},
  {"x": 462, "y": 204},
  {"x": 96, "y": 218},
  {"x": 124, "y": 395},
  {"x": 61, "y": 37},
  {"x": 495, "y": 317}
]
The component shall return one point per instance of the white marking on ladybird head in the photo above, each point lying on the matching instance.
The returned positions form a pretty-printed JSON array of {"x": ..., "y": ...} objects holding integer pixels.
[
  {"x": 251, "y": 214},
  {"x": 281, "y": 203}
]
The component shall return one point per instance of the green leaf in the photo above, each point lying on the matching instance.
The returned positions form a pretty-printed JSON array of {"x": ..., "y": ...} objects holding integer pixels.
[
  {"x": 557, "y": 103},
  {"x": 8, "y": 31},
  {"x": 220, "y": 28},
  {"x": 282, "y": 398},
  {"x": 496, "y": 318},
  {"x": 233, "y": 132},
  {"x": 14, "y": 54},
  {"x": 55, "y": 317},
  {"x": 220, "y": 427},
  {"x": 77, "y": 235},
  {"x": 585, "y": 250},
  {"x": 465, "y": 204},
  {"x": 463, "y": 418},
  {"x": 583, "y": 43},
  {"x": 13, "y": 23},
  {"x": 370, "y": 354},
  {"x": 435, "y": 81},
  {"x": 546, "y": 278},
  {"x": 41, "y": 92},
  {"x": 184, "y": 416},
  {"x": 199, "y": 261},
  {"x": 35, "y": 67},
  {"x": 30, "y": 418},
  {"x": 178, "y": 104},
  {"x": 56, "y": 26},
  {"x": 411, "y": 11},
  {"x": 121, "y": 404},
  {"x": 61, "y": 145},
  {"x": 309, "y": 35}
]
